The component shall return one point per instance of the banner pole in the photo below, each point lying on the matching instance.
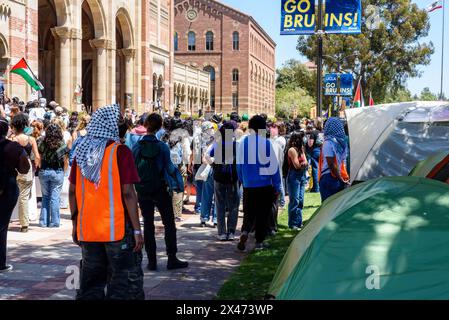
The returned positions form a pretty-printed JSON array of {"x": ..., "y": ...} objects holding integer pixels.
[
  {"x": 320, "y": 33},
  {"x": 442, "y": 54}
]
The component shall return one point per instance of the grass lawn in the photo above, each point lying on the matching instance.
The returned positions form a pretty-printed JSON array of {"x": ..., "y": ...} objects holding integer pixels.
[{"x": 253, "y": 278}]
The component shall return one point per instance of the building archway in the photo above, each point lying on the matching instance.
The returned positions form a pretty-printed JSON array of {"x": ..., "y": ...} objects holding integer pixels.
[
  {"x": 94, "y": 45},
  {"x": 124, "y": 66},
  {"x": 47, "y": 20},
  {"x": 88, "y": 54},
  {"x": 4, "y": 56}
]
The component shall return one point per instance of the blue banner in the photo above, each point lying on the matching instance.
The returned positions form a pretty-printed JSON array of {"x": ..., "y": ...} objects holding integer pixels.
[
  {"x": 343, "y": 16},
  {"x": 298, "y": 17},
  {"x": 346, "y": 84},
  {"x": 331, "y": 84}
]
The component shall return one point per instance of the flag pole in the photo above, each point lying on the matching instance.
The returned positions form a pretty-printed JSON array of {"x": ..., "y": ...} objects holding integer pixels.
[{"x": 442, "y": 54}]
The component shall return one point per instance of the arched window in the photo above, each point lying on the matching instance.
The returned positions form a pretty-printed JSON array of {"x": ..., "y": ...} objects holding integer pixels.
[
  {"x": 176, "y": 41},
  {"x": 209, "y": 41},
  {"x": 211, "y": 72},
  {"x": 235, "y": 75},
  {"x": 191, "y": 41},
  {"x": 235, "y": 41}
]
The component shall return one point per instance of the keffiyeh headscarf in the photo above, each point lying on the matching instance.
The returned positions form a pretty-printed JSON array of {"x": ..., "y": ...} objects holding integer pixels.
[
  {"x": 103, "y": 127},
  {"x": 334, "y": 132}
]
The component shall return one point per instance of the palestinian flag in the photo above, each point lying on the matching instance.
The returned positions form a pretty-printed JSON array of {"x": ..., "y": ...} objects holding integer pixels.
[
  {"x": 371, "y": 100},
  {"x": 23, "y": 70},
  {"x": 358, "y": 99},
  {"x": 435, "y": 6}
]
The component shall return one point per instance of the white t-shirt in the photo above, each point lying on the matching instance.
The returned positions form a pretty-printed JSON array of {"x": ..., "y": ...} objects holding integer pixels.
[
  {"x": 67, "y": 137},
  {"x": 279, "y": 144},
  {"x": 330, "y": 152},
  {"x": 37, "y": 114}
]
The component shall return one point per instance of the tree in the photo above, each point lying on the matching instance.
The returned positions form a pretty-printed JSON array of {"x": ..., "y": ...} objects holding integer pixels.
[
  {"x": 399, "y": 95},
  {"x": 293, "y": 101},
  {"x": 427, "y": 95},
  {"x": 386, "y": 56},
  {"x": 294, "y": 74}
]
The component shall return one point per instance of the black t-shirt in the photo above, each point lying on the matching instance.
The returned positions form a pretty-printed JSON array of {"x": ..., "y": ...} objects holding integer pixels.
[{"x": 12, "y": 153}]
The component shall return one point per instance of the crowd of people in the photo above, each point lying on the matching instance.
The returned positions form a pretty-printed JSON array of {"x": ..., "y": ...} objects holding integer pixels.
[{"x": 118, "y": 164}]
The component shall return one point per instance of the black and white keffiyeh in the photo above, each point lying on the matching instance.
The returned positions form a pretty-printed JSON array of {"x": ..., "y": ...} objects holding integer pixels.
[{"x": 103, "y": 127}]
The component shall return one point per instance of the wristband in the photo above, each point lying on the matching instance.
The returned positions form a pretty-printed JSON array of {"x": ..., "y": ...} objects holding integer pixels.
[{"x": 137, "y": 232}]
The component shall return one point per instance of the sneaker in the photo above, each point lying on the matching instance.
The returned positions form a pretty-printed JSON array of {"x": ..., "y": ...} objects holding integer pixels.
[
  {"x": 231, "y": 237},
  {"x": 261, "y": 246},
  {"x": 296, "y": 228},
  {"x": 24, "y": 229},
  {"x": 179, "y": 219},
  {"x": 175, "y": 263},
  {"x": 243, "y": 238},
  {"x": 203, "y": 224},
  {"x": 222, "y": 237},
  {"x": 215, "y": 225},
  {"x": 7, "y": 268}
]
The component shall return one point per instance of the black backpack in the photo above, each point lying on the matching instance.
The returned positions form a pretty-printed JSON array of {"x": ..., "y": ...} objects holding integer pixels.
[
  {"x": 151, "y": 176},
  {"x": 4, "y": 177},
  {"x": 226, "y": 173}
]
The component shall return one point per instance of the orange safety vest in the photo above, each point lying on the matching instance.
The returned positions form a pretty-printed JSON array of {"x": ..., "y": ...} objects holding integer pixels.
[
  {"x": 343, "y": 171},
  {"x": 101, "y": 214}
]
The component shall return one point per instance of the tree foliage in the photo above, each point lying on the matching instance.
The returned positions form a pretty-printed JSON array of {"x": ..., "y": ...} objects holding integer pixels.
[
  {"x": 293, "y": 101},
  {"x": 427, "y": 95},
  {"x": 295, "y": 89},
  {"x": 386, "y": 56}
]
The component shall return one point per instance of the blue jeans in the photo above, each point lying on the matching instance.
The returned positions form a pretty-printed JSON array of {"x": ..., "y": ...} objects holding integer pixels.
[
  {"x": 314, "y": 159},
  {"x": 282, "y": 195},
  {"x": 296, "y": 182},
  {"x": 51, "y": 185},
  {"x": 330, "y": 186},
  {"x": 207, "y": 200},
  {"x": 199, "y": 190}
]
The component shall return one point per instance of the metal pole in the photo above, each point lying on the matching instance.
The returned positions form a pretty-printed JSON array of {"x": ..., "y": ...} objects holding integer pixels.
[
  {"x": 320, "y": 32},
  {"x": 442, "y": 55}
]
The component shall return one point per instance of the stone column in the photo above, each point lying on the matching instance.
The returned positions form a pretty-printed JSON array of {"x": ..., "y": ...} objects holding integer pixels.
[
  {"x": 64, "y": 65},
  {"x": 77, "y": 65},
  {"x": 129, "y": 55},
  {"x": 100, "y": 76}
]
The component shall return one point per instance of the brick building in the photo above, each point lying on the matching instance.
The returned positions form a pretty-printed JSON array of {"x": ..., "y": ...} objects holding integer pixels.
[
  {"x": 233, "y": 48},
  {"x": 116, "y": 51}
]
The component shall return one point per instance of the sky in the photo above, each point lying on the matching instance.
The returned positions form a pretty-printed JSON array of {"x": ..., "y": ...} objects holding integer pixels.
[{"x": 267, "y": 14}]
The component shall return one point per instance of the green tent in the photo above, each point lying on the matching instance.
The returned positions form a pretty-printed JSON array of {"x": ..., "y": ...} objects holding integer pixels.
[
  {"x": 435, "y": 167},
  {"x": 383, "y": 239}
]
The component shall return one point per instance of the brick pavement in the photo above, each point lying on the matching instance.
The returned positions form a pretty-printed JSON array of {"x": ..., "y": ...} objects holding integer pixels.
[{"x": 41, "y": 258}]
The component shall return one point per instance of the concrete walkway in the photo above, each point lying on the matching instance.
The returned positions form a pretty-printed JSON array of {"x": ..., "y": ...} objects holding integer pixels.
[{"x": 44, "y": 260}]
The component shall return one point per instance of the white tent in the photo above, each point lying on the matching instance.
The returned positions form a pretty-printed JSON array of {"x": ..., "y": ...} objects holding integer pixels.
[{"x": 389, "y": 140}]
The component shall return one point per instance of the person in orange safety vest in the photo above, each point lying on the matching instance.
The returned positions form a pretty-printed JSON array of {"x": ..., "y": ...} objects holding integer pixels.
[{"x": 104, "y": 211}]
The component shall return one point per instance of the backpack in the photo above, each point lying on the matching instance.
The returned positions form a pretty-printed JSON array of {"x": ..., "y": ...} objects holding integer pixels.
[
  {"x": 3, "y": 174},
  {"x": 226, "y": 173},
  {"x": 150, "y": 173}
]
